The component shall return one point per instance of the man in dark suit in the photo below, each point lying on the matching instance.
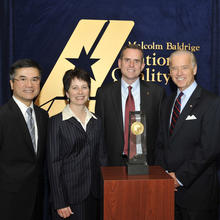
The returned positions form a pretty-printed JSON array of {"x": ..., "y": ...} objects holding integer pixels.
[
  {"x": 23, "y": 128},
  {"x": 188, "y": 141},
  {"x": 111, "y": 101}
]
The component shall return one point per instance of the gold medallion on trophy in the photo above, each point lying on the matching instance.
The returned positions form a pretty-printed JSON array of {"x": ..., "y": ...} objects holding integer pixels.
[{"x": 137, "y": 128}]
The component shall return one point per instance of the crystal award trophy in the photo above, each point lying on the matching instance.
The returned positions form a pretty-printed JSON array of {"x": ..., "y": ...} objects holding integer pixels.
[{"x": 137, "y": 144}]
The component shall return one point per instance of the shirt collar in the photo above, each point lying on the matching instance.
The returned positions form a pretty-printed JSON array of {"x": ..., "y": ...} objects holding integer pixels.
[
  {"x": 22, "y": 106},
  {"x": 188, "y": 91},
  {"x": 135, "y": 85},
  {"x": 67, "y": 113}
]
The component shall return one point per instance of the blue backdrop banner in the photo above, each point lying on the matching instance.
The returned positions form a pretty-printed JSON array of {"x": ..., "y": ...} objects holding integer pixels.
[{"x": 61, "y": 34}]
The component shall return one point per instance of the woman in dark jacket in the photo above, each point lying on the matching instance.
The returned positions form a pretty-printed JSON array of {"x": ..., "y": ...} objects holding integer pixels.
[{"x": 75, "y": 153}]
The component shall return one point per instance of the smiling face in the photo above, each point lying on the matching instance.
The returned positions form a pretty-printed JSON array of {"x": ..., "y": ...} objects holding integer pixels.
[
  {"x": 26, "y": 84},
  {"x": 182, "y": 70},
  {"x": 78, "y": 92},
  {"x": 131, "y": 65}
]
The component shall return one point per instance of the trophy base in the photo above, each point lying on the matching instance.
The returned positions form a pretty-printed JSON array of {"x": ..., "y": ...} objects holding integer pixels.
[{"x": 137, "y": 169}]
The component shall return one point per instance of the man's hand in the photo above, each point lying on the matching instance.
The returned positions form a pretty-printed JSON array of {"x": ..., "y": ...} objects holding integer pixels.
[
  {"x": 176, "y": 184},
  {"x": 64, "y": 212}
]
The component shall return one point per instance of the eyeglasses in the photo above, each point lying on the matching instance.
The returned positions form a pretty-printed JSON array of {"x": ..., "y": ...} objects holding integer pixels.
[{"x": 24, "y": 80}]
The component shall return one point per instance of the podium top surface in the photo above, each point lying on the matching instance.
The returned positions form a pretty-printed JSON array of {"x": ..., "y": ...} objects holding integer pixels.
[{"x": 120, "y": 173}]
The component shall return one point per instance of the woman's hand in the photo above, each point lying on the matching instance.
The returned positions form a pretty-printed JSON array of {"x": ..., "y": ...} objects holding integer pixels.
[{"x": 65, "y": 212}]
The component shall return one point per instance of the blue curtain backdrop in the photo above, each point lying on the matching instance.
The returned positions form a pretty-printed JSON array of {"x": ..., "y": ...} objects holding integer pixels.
[
  {"x": 6, "y": 47},
  {"x": 215, "y": 47},
  {"x": 40, "y": 29}
]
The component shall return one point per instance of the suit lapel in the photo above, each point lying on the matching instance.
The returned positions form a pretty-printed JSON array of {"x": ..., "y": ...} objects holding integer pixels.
[
  {"x": 190, "y": 105},
  {"x": 76, "y": 123},
  {"x": 117, "y": 104},
  {"x": 145, "y": 99},
  {"x": 22, "y": 124},
  {"x": 40, "y": 129},
  {"x": 169, "y": 112}
]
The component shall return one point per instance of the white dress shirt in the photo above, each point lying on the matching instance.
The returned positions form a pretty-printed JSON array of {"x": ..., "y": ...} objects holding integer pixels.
[
  {"x": 185, "y": 97},
  {"x": 67, "y": 113}
]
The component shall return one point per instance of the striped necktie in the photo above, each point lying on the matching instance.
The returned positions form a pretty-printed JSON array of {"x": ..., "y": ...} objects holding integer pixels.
[{"x": 176, "y": 112}]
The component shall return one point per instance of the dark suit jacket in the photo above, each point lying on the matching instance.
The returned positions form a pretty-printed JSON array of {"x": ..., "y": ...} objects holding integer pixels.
[
  {"x": 192, "y": 149},
  {"x": 21, "y": 170},
  {"x": 74, "y": 160},
  {"x": 109, "y": 108}
]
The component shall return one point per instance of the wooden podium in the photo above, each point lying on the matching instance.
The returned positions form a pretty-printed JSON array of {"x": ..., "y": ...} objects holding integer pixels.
[{"x": 142, "y": 197}]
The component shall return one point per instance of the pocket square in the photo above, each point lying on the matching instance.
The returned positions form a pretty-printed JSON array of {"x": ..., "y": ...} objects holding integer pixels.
[{"x": 191, "y": 117}]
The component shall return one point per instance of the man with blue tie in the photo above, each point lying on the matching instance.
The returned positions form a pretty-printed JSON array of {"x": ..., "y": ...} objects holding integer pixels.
[
  {"x": 23, "y": 128},
  {"x": 188, "y": 141}
]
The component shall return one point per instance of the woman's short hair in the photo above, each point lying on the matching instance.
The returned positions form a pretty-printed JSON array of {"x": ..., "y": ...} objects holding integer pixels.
[{"x": 75, "y": 73}]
